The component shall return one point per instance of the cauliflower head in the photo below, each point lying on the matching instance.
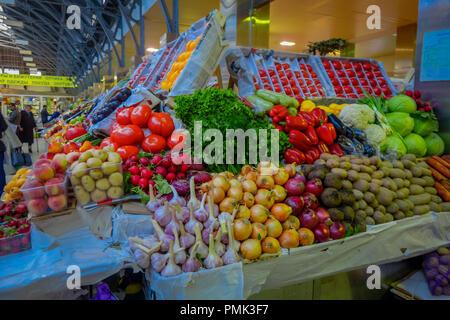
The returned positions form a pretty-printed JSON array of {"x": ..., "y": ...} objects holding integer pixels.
[
  {"x": 357, "y": 116},
  {"x": 375, "y": 134}
]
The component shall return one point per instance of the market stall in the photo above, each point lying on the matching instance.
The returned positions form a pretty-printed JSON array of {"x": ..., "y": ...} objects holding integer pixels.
[{"x": 317, "y": 190}]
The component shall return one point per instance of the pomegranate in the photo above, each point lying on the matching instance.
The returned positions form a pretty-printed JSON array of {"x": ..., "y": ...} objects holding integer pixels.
[
  {"x": 324, "y": 216},
  {"x": 294, "y": 187},
  {"x": 309, "y": 219},
  {"x": 296, "y": 203},
  {"x": 310, "y": 201},
  {"x": 337, "y": 231},
  {"x": 314, "y": 186},
  {"x": 322, "y": 233}
]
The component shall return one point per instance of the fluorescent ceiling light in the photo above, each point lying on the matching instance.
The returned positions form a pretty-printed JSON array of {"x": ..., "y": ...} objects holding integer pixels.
[
  {"x": 152, "y": 49},
  {"x": 25, "y": 52},
  {"x": 287, "y": 43},
  {"x": 21, "y": 42},
  {"x": 13, "y": 23},
  {"x": 29, "y": 59},
  {"x": 31, "y": 64}
]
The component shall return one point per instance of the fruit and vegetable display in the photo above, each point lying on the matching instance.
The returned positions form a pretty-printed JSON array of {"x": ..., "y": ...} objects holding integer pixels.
[
  {"x": 110, "y": 105},
  {"x": 15, "y": 237},
  {"x": 436, "y": 267}
]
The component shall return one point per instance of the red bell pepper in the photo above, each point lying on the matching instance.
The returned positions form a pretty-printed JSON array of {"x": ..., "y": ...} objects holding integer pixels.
[
  {"x": 323, "y": 147},
  {"x": 294, "y": 156},
  {"x": 320, "y": 116},
  {"x": 308, "y": 117},
  {"x": 296, "y": 123},
  {"x": 278, "y": 113},
  {"x": 299, "y": 140},
  {"x": 336, "y": 149},
  {"x": 326, "y": 132},
  {"x": 312, "y": 135},
  {"x": 314, "y": 153},
  {"x": 278, "y": 127},
  {"x": 309, "y": 158}
]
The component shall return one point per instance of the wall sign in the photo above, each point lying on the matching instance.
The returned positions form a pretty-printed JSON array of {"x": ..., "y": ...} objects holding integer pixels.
[
  {"x": 435, "y": 56},
  {"x": 41, "y": 81}
]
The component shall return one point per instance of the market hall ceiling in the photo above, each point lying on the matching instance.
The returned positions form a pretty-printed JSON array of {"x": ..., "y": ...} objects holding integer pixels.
[{"x": 56, "y": 49}]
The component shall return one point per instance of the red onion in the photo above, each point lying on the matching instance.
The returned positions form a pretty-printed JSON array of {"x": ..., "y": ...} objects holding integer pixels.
[
  {"x": 182, "y": 187},
  {"x": 337, "y": 231},
  {"x": 299, "y": 175},
  {"x": 171, "y": 269},
  {"x": 314, "y": 186},
  {"x": 294, "y": 187},
  {"x": 324, "y": 216},
  {"x": 310, "y": 201},
  {"x": 322, "y": 233},
  {"x": 309, "y": 219},
  {"x": 296, "y": 203}
]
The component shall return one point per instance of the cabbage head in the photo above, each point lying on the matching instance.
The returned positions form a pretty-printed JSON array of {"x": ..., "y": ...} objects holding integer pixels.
[
  {"x": 401, "y": 103},
  {"x": 395, "y": 145},
  {"x": 435, "y": 145},
  {"x": 425, "y": 123},
  {"x": 401, "y": 122},
  {"x": 415, "y": 144}
]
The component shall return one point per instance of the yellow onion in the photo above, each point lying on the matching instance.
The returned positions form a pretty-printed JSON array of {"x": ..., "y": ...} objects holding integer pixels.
[
  {"x": 290, "y": 169},
  {"x": 281, "y": 177},
  {"x": 259, "y": 231},
  {"x": 249, "y": 199},
  {"x": 289, "y": 239},
  {"x": 235, "y": 193},
  {"x": 249, "y": 186},
  {"x": 228, "y": 204},
  {"x": 218, "y": 195},
  {"x": 221, "y": 182},
  {"x": 281, "y": 211},
  {"x": 243, "y": 212},
  {"x": 265, "y": 182},
  {"x": 246, "y": 169},
  {"x": 204, "y": 187},
  {"x": 279, "y": 193},
  {"x": 250, "y": 249},
  {"x": 251, "y": 176},
  {"x": 292, "y": 222},
  {"x": 270, "y": 245},
  {"x": 258, "y": 213},
  {"x": 274, "y": 228},
  {"x": 226, "y": 174},
  {"x": 242, "y": 229},
  {"x": 235, "y": 183},
  {"x": 264, "y": 197}
]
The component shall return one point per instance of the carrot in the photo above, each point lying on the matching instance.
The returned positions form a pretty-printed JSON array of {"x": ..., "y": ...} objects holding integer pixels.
[
  {"x": 446, "y": 158},
  {"x": 436, "y": 175},
  {"x": 439, "y": 167},
  {"x": 446, "y": 184},
  {"x": 442, "y": 161},
  {"x": 442, "y": 192}
]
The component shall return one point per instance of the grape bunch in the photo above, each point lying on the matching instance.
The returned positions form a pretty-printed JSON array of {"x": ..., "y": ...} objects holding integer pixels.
[{"x": 112, "y": 105}]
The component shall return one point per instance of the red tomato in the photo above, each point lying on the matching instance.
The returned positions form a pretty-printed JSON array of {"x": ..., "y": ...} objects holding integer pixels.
[
  {"x": 309, "y": 68},
  {"x": 351, "y": 73},
  {"x": 341, "y": 73},
  {"x": 373, "y": 83},
  {"x": 360, "y": 75},
  {"x": 369, "y": 75},
  {"x": 277, "y": 88},
  {"x": 127, "y": 135},
  {"x": 295, "y": 90},
  {"x": 335, "y": 82},
  {"x": 286, "y": 66},
  {"x": 284, "y": 81},
  {"x": 313, "y": 75},
  {"x": 347, "y": 65},
  {"x": 108, "y": 142},
  {"x": 331, "y": 74},
  {"x": 364, "y": 82},
  {"x": 338, "y": 89},
  {"x": 281, "y": 74},
  {"x": 287, "y": 90},
  {"x": 348, "y": 89},
  {"x": 274, "y": 80},
  {"x": 358, "y": 90},
  {"x": 381, "y": 81},
  {"x": 123, "y": 115},
  {"x": 268, "y": 87},
  {"x": 378, "y": 74},
  {"x": 337, "y": 65},
  {"x": 265, "y": 80},
  {"x": 289, "y": 74},
  {"x": 161, "y": 123},
  {"x": 357, "y": 67},
  {"x": 292, "y": 82},
  {"x": 154, "y": 143},
  {"x": 140, "y": 114},
  {"x": 308, "y": 82},
  {"x": 126, "y": 152},
  {"x": 177, "y": 138},
  {"x": 257, "y": 87},
  {"x": 262, "y": 73},
  {"x": 345, "y": 81},
  {"x": 271, "y": 72},
  {"x": 297, "y": 74},
  {"x": 354, "y": 81},
  {"x": 326, "y": 65},
  {"x": 377, "y": 91},
  {"x": 278, "y": 66}
]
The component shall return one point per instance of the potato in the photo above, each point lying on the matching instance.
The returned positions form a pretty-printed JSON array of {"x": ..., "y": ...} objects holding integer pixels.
[
  {"x": 358, "y": 194},
  {"x": 346, "y": 165},
  {"x": 399, "y": 215},
  {"x": 362, "y": 204},
  {"x": 353, "y": 175},
  {"x": 377, "y": 174},
  {"x": 403, "y": 193},
  {"x": 408, "y": 164},
  {"x": 333, "y": 163},
  {"x": 326, "y": 156},
  {"x": 386, "y": 171},
  {"x": 419, "y": 210},
  {"x": 389, "y": 183},
  {"x": 369, "y": 211},
  {"x": 402, "y": 205},
  {"x": 374, "y": 188},
  {"x": 382, "y": 209},
  {"x": 340, "y": 172},
  {"x": 397, "y": 173},
  {"x": 347, "y": 196},
  {"x": 436, "y": 199},
  {"x": 336, "y": 214},
  {"x": 356, "y": 167},
  {"x": 400, "y": 183},
  {"x": 429, "y": 181},
  {"x": 317, "y": 173},
  {"x": 379, "y": 217},
  {"x": 410, "y": 157},
  {"x": 387, "y": 164},
  {"x": 415, "y": 189},
  {"x": 418, "y": 181},
  {"x": 370, "y": 221},
  {"x": 358, "y": 161},
  {"x": 331, "y": 197},
  {"x": 320, "y": 162},
  {"x": 369, "y": 197},
  {"x": 435, "y": 207},
  {"x": 365, "y": 160},
  {"x": 385, "y": 196},
  {"x": 393, "y": 208},
  {"x": 365, "y": 176},
  {"x": 417, "y": 171},
  {"x": 408, "y": 174},
  {"x": 377, "y": 181},
  {"x": 332, "y": 180},
  {"x": 419, "y": 199},
  {"x": 361, "y": 185},
  {"x": 431, "y": 190},
  {"x": 366, "y": 169},
  {"x": 346, "y": 184},
  {"x": 376, "y": 161}
]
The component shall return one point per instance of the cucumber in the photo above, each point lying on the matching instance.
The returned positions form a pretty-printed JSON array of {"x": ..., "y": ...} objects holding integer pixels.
[
  {"x": 287, "y": 101},
  {"x": 259, "y": 104},
  {"x": 268, "y": 96}
]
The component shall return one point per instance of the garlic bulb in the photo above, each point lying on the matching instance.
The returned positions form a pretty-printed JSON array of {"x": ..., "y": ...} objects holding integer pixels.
[
  {"x": 165, "y": 238},
  {"x": 162, "y": 215},
  {"x": 200, "y": 214},
  {"x": 180, "y": 257},
  {"x": 219, "y": 246},
  {"x": 171, "y": 269},
  {"x": 150, "y": 241},
  {"x": 211, "y": 203},
  {"x": 231, "y": 256},
  {"x": 142, "y": 259},
  {"x": 202, "y": 249},
  {"x": 212, "y": 260},
  {"x": 193, "y": 198},
  {"x": 176, "y": 198},
  {"x": 212, "y": 222},
  {"x": 182, "y": 213},
  {"x": 187, "y": 240},
  {"x": 158, "y": 261},
  {"x": 154, "y": 202},
  {"x": 190, "y": 225},
  {"x": 174, "y": 224},
  {"x": 192, "y": 264}
]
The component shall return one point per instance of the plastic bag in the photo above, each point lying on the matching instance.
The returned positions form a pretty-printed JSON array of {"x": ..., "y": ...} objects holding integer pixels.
[{"x": 436, "y": 267}]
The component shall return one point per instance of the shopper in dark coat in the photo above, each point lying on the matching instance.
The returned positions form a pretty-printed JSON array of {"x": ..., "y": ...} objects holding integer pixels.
[
  {"x": 3, "y": 127},
  {"x": 44, "y": 115},
  {"x": 28, "y": 124}
]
